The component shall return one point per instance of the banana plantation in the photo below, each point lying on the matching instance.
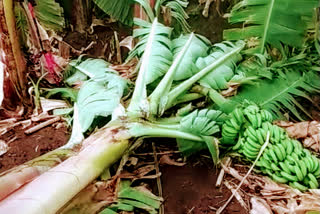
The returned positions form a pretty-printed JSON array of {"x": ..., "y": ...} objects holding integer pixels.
[{"x": 159, "y": 106}]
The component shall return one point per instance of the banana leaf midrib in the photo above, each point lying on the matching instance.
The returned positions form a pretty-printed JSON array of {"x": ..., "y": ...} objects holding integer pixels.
[
  {"x": 266, "y": 27},
  {"x": 279, "y": 94}
]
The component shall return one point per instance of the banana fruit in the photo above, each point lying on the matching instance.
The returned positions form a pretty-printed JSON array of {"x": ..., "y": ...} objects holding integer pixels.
[{"x": 284, "y": 160}]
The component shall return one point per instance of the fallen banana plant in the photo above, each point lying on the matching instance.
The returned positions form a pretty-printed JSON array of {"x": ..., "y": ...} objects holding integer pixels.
[
  {"x": 48, "y": 192},
  {"x": 284, "y": 160}
]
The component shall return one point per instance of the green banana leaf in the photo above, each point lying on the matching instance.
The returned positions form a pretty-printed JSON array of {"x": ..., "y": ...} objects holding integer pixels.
[
  {"x": 81, "y": 70},
  {"x": 161, "y": 57},
  {"x": 220, "y": 76},
  {"x": 272, "y": 21},
  {"x": 99, "y": 98},
  {"x": 198, "y": 48},
  {"x": 203, "y": 123},
  {"x": 281, "y": 93},
  {"x": 118, "y": 9},
  {"x": 50, "y": 14}
]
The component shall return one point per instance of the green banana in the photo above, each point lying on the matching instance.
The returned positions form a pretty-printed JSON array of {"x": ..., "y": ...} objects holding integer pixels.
[
  {"x": 316, "y": 164},
  {"x": 272, "y": 154},
  {"x": 275, "y": 167},
  {"x": 277, "y": 151},
  {"x": 289, "y": 147},
  {"x": 234, "y": 124},
  {"x": 238, "y": 115},
  {"x": 284, "y": 167},
  {"x": 251, "y": 133},
  {"x": 265, "y": 163},
  {"x": 289, "y": 166},
  {"x": 266, "y": 156},
  {"x": 312, "y": 178},
  {"x": 238, "y": 144},
  {"x": 260, "y": 137},
  {"x": 253, "y": 120},
  {"x": 303, "y": 168},
  {"x": 298, "y": 186},
  {"x": 229, "y": 130},
  {"x": 313, "y": 185},
  {"x": 298, "y": 173},
  {"x": 250, "y": 153},
  {"x": 259, "y": 120},
  {"x": 266, "y": 115},
  {"x": 282, "y": 150},
  {"x": 251, "y": 149},
  {"x": 284, "y": 159},
  {"x": 253, "y": 143},
  {"x": 279, "y": 179},
  {"x": 307, "y": 163},
  {"x": 288, "y": 176}
]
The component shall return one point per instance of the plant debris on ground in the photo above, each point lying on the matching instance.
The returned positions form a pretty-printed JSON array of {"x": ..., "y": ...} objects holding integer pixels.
[{"x": 149, "y": 96}]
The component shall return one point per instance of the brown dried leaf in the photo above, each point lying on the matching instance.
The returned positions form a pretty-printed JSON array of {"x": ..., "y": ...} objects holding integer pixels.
[
  {"x": 127, "y": 42},
  {"x": 226, "y": 162},
  {"x": 92, "y": 198},
  {"x": 3, "y": 147},
  {"x": 233, "y": 172},
  {"x": 259, "y": 206},
  {"x": 237, "y": 194},
  {"x": 166, "y": 160},
  {"x": 51, "y": 104},
  {"x": 232, "y": 89},
  {"x": 132, "y": 161},
  {"x": 127, "y": 70},
  {"x": 140, "y": 173},
  {"x": 308, "y": 131}
]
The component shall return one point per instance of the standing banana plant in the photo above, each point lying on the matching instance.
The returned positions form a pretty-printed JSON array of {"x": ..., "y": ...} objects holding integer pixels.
[
  {"x": 14, "y": 70},
  {"x": 123, "y": 10},
  {"x": 142, "y": 117}
]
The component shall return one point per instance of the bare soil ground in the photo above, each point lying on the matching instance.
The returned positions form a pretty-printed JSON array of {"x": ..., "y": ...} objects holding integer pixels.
[
  {"x": 191, "y": 189},
  {"x": 26, "y": 147}
]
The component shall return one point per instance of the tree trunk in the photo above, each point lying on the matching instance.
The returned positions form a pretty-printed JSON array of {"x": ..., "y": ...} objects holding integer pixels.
[
  {"x": 81, "y": 16},
  {"x": 14, "y": 72}
]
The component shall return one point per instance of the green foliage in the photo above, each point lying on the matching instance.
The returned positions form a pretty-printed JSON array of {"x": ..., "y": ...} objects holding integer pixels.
[
  {"x": 203, "y": 123},
  {"x": 198, "y": 48},
  {"x": 122, "y": 10},
  {"x": 280, "y": 93},
  {"x": 129, "y": 198},
  {"x": 66, "y": 93},
  {"x": 218, "y": 77},
  {"x": 272, "y": 21},
  {"x": 252, "y": 68},
  {"x": 82, "y": 69},
  {"x": 119, "y": 9},
  {"x": 161, "y": 55},
  {"x": 99, "y": 98},
  {"x": 177, "y": 12},
  {"x": 21, "y": 22},
  {"x": 50, "y": 14}
]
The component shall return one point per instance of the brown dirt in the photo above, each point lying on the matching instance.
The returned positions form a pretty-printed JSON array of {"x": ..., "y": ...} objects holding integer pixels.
[
  {"x": 211, "y": 27},
  {"x": 103, "y": 37},
  {"x": 25, "y": 147},
  {"x": 191, "y": 189}
]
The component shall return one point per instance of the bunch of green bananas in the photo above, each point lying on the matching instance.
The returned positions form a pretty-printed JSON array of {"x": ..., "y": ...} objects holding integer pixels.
[{"x": 284, "y": 160}]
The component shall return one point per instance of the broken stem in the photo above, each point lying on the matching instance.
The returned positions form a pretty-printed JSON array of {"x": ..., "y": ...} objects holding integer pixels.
[{"x": 42, "y": 125}]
